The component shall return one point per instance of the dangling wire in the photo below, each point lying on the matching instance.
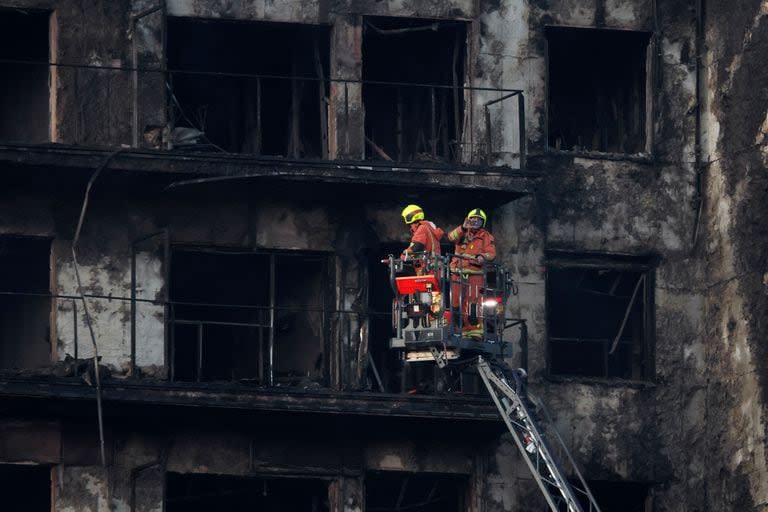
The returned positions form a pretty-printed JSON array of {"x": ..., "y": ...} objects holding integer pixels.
[{"x": 80, "y": 292}]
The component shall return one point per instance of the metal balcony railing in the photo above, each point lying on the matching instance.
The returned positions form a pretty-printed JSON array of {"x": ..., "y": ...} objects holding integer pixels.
[
  {"x": 223, "y": 345},
  {"x": 285, "y": 117}
]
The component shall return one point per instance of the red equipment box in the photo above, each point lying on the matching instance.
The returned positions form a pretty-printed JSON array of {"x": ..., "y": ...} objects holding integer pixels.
[{"x": 415, "y": 284}]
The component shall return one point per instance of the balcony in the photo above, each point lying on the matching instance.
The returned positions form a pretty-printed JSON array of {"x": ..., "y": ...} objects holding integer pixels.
[
  {"x": 301, "y": 127},
  {"x": 213, "y": 343},
  {"x": 200, "y": 104}
]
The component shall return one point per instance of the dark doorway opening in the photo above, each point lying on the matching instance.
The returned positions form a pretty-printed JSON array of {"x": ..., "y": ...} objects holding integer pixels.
[
  {"x": 282, "y": 112},
  {"x": 597, "y": 89},
  {"x": 249, "y": 316},
  {"x": 389, "y": 491},
  {"x": 203, "y": 493},
  {"x": 599, "y": 319},
  {"x": 410, "y": 123},
  {"x": 24, "y": 91},
  {"x": 25, "y": 488},
  {"x": 25, "y": 306}
]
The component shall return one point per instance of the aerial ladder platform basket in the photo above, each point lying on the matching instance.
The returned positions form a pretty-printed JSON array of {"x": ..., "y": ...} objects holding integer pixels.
[{"x": 427, "y": 325}]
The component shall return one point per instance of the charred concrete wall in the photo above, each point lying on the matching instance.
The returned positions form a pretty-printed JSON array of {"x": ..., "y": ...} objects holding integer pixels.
[
  {"x": 140, "y": 457},
  {"x": 709, "y": 292},
  {"x": 599, "y": 204},
  {"x": 246, "y": 217},
  {"x": 77, "y": 36},
  {"x": 733, "y": 251}
]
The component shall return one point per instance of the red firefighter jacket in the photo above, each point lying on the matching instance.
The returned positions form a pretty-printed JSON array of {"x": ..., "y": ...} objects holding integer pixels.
[
  {"x": 480, "y": 243},
  {"x": 425, "y": 234}
]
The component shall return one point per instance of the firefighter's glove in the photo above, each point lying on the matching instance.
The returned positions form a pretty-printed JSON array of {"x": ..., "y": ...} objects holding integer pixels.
[{"x": 480, "y": 259}]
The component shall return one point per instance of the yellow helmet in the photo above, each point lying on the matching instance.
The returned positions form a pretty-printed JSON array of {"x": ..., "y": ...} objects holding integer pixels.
[
  {"x": 412, "y": 213},
  {"x": 477, "y": 212}
]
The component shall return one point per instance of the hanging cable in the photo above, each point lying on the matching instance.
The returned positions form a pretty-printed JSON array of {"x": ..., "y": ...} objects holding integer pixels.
[{"x": 88, "y": 320}]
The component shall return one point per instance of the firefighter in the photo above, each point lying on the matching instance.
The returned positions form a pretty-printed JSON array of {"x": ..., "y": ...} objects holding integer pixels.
[
  {"x": 474, "y": 247},
  {"x": 425, "y": 235}
]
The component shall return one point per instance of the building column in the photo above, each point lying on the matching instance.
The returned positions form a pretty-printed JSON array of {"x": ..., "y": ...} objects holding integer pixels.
[{"x": 346, "y": 131}]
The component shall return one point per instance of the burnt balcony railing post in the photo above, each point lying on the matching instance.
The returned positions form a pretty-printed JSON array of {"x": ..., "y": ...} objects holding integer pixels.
[
  {"x": 433, "y": 122},
  {"x": 74, "y": 328},
  {"x": 524, "y": 346},
  {"x": 521, "y": 121},
  {"x": 399, "y": 124},
  {"x": 488, "y": 137},
  {"x": 272, "y": 320},
  {"x": 198, "y": 376}
]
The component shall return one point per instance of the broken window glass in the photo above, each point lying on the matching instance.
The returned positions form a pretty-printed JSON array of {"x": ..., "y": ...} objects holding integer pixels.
[
  {"x": 599, "y": 319},
  {"x": 597, "y": 90},
  {"x": 249, "y": 316},
  {"x": 408, "y": 123},
  {"x": 25, "y": 304},
  {"x": 248, "y": 87},
  {"x": 24, "y": 93}
]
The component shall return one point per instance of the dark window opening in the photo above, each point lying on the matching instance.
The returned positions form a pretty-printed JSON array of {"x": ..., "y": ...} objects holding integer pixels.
[
  {"x": 249, "y": 316},
  {"x": 599, "y": 320},
  {"x": 24, "y": 93},
  {"x": 25, "y": 306},
  {"x": 281, "y": 113},
  {"x": 624, "y": 496},
  {"x": 389, "y": 491},
  {"x": 405, "y": 122},
  {"x": 203, "y": 493},
  {"x": 25, "y": 488},
  {"x": 597, "y": 90}
]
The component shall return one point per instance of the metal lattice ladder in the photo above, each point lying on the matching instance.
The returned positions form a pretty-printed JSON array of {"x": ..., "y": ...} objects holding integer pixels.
[{"x": 560, "y": 494}]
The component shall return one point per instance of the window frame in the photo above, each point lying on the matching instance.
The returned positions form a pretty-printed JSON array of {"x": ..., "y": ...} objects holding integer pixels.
[
  {"x": 48, "y": 294},
  {"x": 51, "y": 128},
  {"x": 329, "y": 296},
  {"x": 462, "y": 110},
  {"x": 646, "y": 265},
  {"x": 176, "y": 102},
  {"x": 648, "y": 154}
]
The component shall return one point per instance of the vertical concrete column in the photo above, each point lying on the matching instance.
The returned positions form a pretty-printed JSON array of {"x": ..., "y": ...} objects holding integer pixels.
[
  {"x": 148, "y": 96},
  {"x": 520, "y": 246},
  {"x": 346, "y": 136},
  {"x": 53, "y": 80},
  {"x": 346, "y": 494}
]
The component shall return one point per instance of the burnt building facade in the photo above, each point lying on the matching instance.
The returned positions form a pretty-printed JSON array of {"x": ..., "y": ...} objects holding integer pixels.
[{"x": 198, "y": 194}]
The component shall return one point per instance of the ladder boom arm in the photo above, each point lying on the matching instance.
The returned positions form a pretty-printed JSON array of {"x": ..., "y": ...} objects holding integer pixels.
[{"x": 559, "y": 493}]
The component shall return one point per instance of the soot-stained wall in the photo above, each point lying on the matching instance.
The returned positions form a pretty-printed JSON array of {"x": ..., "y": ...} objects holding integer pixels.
[{"x": 245, "y": 217}]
